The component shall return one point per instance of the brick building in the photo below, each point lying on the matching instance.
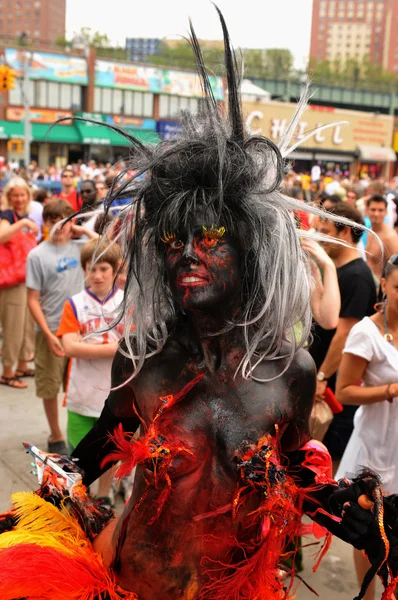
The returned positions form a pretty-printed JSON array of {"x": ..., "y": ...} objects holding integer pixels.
[
  {"x": 34, "y": 20},
  {"x": 358, "y": 29}
]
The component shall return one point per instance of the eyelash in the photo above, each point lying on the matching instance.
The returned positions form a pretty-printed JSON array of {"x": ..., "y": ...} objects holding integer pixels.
[{"x": 210, "y": 238}]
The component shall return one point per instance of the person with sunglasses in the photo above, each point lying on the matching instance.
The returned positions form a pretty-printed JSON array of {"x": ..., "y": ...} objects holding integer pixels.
[
  {"x": 351, "y": 196},
  {"x": 68, "y": 191},
  {"x": 371, "y": 356}
]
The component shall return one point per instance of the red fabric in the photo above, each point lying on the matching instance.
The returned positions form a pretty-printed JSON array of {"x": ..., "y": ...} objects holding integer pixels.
[
  {"x": 73, "y": 199},
  {"x": 37, "y": 573},
  {"x": 13, "y": 257},
  {"x": 304, "y": 219},
  {"x": 332, "y": 402},
  {"x": 69, "y": 322}
]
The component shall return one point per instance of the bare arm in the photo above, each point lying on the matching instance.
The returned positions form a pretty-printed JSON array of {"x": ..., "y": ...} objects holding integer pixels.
[
  {"x": 81, "y": 230},
  {"x": 38, "y": 315},
  {"x": 7, "y": 230},
  {"x": 391, "y": 244},
  {"x": 333, "y": 357},
  {"x": 325, "y": 297},
  {"x": 77, "y": 348},
  {"x": 348, "y": 391}
]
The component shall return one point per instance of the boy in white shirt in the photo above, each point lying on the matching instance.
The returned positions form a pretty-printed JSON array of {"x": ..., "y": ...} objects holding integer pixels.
[{"x": 91, "y": 312}]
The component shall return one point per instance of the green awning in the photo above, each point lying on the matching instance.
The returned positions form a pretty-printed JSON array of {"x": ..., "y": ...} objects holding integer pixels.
[
  {"x": 78, "y": 133},
  {"x": 97, "y": 134},
  {"x": 14, "y": 130},
  {"x": 67, "y": 134},
  {"x": 11, "y": 130}
]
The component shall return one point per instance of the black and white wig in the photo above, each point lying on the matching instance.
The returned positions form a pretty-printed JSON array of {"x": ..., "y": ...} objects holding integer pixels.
[{"x": 234, "y": 179}]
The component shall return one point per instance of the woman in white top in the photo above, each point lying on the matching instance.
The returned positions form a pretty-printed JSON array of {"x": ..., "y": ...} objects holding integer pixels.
[{"x": 371, "y": 356}]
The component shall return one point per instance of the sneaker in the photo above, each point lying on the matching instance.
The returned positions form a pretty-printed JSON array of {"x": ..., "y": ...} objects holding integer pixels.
[{"x": 57, "y": 447}]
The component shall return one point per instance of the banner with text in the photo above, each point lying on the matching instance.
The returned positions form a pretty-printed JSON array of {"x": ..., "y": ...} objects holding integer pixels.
[
  {"x": 150, "y": 79},
  {"x": 53, "y": 67}
]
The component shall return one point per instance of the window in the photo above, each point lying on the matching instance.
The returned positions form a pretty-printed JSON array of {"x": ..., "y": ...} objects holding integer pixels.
[
  {"x": 138, "y": 103},
  {"x": 16, "y": 97},
  {"x": 128, "y": 102},
  {"x": 53, "y": 95},
  {"x": 184, "y": 103},
  {"x": 148, "y": 105},
  {"x": 163, "y": 106},
  {"x": 118, "y": 106},
  {"x": 106, "y": 104},
  {"x": 41, "y": 94},
  {"x": 76, "y": 97},
  {"x": 170, "y": 106},
  {"x": 193, "y": 105},
  {"x": 97, "y": 99},
  {"x": 65, "y": 96}
]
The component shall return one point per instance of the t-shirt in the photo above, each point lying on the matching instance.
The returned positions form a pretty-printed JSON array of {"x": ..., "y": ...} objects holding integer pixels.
[
  {"x": 374, "y": 441},
  {"x": 89, "y": 381},
  {"x": 73, "y": 199},
  {"x": 11, "y": 216},
  {"x": 358, "y": 296},
  {"x": 315, "y": 173},
  {"x": 36, "y": 215},
  {"x": 55, "y": 271}
]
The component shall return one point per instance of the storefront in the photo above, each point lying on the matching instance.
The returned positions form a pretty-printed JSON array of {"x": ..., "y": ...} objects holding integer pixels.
[
  {"x": 354, "y": 141},
  {"x": 103, "y": 144},
  {"x": 68, "y": 141},
  {"x": 50, "y": 144}
]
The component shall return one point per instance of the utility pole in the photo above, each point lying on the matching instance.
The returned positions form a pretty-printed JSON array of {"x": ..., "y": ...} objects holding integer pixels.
[{"x": 27, "y": 124}]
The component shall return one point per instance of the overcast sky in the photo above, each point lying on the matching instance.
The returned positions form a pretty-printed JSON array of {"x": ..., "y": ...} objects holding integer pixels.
[{"x": 251, "y": 23}]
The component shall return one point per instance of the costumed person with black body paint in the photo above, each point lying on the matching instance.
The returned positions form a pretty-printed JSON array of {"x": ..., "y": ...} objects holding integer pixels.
[{"x": 217, "y": 380}]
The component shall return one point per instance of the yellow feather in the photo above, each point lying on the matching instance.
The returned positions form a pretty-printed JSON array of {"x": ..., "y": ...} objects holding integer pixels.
[{"x": 43, "y": 524}]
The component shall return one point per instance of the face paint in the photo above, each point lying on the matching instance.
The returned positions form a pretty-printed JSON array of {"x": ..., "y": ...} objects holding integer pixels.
[{"x": 203, "y": 267}]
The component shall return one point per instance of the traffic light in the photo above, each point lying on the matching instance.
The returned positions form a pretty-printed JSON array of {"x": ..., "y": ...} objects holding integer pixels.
[
  {"x": 10, "y": 79},
  {"x": 7, "y": 78},
  {"x": 3, "y": 78}
]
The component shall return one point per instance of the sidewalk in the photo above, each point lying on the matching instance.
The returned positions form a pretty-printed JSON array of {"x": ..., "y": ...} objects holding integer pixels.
[{"x": 22, "y": 419}]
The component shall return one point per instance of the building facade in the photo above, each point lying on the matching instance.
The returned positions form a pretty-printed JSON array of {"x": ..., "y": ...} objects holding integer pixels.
[
  {"x": 356, "y": 29},
  {"x": 144, "y": 101},
  {"x": 32, "y": 20},
  {"x": 356, "y": 142}
]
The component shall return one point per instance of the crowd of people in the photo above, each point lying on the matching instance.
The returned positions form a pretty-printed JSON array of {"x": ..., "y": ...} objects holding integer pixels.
[{"x": 354, "y": 337}]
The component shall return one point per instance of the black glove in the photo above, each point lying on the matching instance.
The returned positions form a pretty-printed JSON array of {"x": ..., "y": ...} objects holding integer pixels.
[{"x": 368, "y": 530}]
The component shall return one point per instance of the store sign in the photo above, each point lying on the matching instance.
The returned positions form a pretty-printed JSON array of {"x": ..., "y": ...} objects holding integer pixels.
[
  {"x": 119, "y": 121},
  {"x": 168, "y": 130},
  {"x": 149, "y": 79},
  {"x": 14, "y": 113},
  {"x": 271, "y": 120},
  {"x": 98, "y": 141},
  {"x": 52, "y": 67}
]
